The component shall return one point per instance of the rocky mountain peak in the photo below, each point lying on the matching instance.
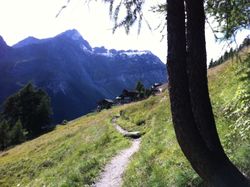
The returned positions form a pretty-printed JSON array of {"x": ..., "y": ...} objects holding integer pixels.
[
  {"x": 73, "y": 34},
  {"x": 76, "y": 37},
  {"x": 3, "y": 46},
  {"x": 2, "y": 42}
]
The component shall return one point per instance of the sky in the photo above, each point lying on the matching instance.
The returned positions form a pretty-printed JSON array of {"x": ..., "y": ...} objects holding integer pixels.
[{"x": 22, "y": 18}]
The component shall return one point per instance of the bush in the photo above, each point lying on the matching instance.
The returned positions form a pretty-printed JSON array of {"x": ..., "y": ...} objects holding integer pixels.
[
  {"x": 17, "y": 134},
  {"x": 4, "y": 134},
  {"x": 140, "y": 122},
  {"x": 238, "y": 109},
  {"x": 11, "y": 135}
]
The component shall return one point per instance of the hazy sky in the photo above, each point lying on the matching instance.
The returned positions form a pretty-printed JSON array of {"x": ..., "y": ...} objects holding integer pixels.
[{"x": 22, "y": 18}]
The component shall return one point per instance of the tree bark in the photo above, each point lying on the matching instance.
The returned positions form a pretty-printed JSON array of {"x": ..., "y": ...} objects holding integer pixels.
[
  {"x": 214, "y": 168},
  {"x": 197, "y": 74},
  {"x": 188, "y": 136}
]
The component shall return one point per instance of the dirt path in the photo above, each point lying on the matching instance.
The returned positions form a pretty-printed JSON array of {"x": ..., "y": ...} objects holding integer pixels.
[
  {"x": 113, "y": 171},
  {"x": 112, "y": 175}
]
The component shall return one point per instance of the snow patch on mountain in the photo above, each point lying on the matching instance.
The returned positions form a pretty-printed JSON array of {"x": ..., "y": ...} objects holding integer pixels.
[
  {"x": 133, "y": 53},
  {"x": 107, "y": 54},
  {"x": 85, "y": 49},
  {"x": 111, "y": 53},
  {"x": 76, "y": 35}
]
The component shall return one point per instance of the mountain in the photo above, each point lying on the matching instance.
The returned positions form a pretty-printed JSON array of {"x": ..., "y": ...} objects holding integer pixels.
[{"x": 74, "y": 74}]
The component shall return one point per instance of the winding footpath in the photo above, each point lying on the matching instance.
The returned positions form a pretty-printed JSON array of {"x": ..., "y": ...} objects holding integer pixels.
[{"x": 113, "y": 171}]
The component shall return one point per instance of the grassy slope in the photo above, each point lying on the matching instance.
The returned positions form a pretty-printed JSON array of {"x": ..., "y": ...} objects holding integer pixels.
[
  {"x": 74, "y": 154},
  {"x": 71, "y": 155}
]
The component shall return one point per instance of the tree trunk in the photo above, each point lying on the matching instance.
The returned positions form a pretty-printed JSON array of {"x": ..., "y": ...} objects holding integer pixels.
[
  {"x": 188, "y": 136},
  {"x": 208, "y": 161},
  {"x": 197, "y": 74}
]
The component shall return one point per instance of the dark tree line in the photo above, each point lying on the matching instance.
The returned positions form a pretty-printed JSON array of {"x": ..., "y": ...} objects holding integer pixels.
[
  {"x": 229, "y": 54},
  {"x": 142, "y": 91},
  {"x": 24, "y": 115}
]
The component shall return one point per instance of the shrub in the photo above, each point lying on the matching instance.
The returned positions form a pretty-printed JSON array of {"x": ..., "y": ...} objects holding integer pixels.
[
  {"x": 140, "y": 122},
  {"x": 11, "y": 135}
]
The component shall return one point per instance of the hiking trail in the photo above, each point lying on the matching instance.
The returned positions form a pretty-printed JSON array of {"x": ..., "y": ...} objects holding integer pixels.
[{"x": 113, "y": 171}]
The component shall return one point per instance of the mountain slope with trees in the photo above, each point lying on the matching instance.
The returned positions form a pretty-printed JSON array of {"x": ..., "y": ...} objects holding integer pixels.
[{"x": 74, "y": 74}]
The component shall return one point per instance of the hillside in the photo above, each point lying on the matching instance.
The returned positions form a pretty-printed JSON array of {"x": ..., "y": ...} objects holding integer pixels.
[
  {"x": 75, "y": 75},
  {"x": 74, "y": 154}
]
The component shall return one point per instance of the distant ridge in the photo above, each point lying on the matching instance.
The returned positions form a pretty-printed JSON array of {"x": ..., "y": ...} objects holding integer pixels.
[{"x": 27, "y": 41}]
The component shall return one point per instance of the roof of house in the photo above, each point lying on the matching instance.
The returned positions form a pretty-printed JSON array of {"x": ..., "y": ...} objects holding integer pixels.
[
  {"x": 105, "y": 101},
  {"x": 163, "y": 86}
]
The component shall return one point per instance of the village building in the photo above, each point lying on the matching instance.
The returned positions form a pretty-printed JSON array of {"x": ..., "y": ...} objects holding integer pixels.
[
  {"x": 158, "y": 88},
  {"x": 129, "y": 96},
  {"x": 104, "y": 104}
]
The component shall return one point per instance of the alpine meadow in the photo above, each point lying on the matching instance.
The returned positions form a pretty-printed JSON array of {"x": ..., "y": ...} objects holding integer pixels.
[
  {"x": 74, "y": 154},
  {"x": 86, "y": 102}
]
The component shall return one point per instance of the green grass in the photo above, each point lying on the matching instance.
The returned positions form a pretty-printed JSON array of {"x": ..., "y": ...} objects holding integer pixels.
[
  {"x": 74, "y": 154},
  {"x": 71, "y": 155},
  {"x": 160, "y": 161},
  {"x": 223, "y": 84}
]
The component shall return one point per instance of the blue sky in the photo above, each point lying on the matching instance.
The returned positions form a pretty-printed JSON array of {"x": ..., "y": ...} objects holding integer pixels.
[{"x": 22, "y": 18}]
